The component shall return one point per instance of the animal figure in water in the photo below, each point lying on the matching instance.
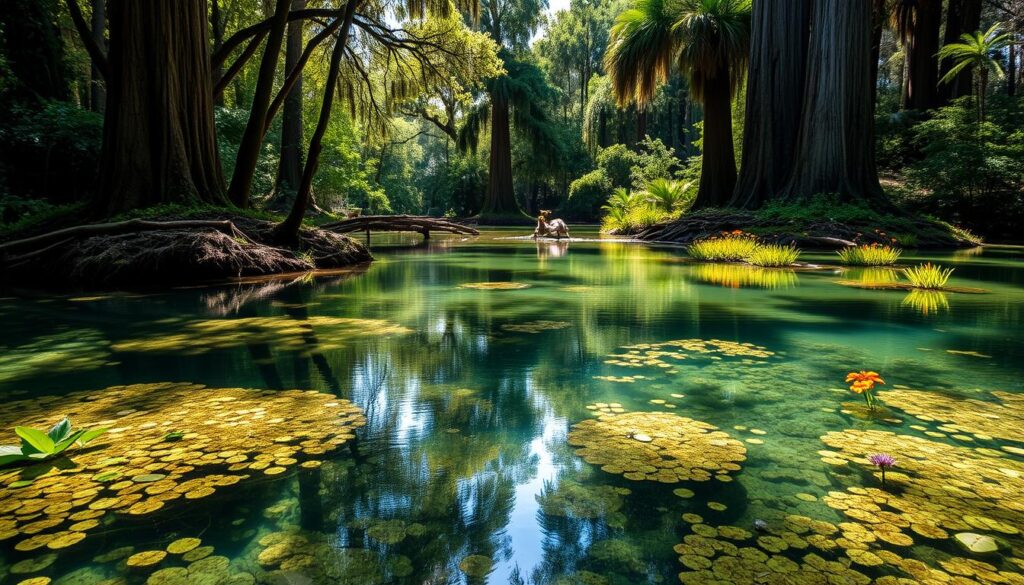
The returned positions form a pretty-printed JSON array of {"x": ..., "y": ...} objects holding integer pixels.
[{"x": 547, "y": 227}]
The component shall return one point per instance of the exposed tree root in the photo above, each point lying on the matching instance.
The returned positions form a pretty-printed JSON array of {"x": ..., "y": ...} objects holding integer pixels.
[{"x": 140, "y": 253}]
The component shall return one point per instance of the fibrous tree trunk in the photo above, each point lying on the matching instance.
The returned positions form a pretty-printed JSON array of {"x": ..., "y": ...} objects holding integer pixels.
[
  {"x": 835, "y": 148},
  {"x": 962, "y": 16},
  {"x": 500, "y": 199},
  {"x": 217, "y": 26},
  {"x": 922, "y": 91},
  {"x": 97, "y": 95},
  {"x": 775, "y": 83},
  {"x": 878, "y": 18},
  {"x": 289, "y": 170},
  {"x": 249, "y": 148},
  {"x": 718, "y": 166},
  {"x": 288, "y": 230},
  {"x": 159, "y": 141}
]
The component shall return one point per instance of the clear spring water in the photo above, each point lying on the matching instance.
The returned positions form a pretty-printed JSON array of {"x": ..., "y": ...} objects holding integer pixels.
[{"x": 468, "y": 409}]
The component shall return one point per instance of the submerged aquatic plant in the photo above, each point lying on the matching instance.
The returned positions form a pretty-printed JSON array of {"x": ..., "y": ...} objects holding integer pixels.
[
  {"x": 863, "y": 382},
  {"x": 734, "y": 246},
  {"x": 882, "y": 461},
  {"x": 928, "y": 276},
  {"x": 773, "y": 255},
  {"x": 873, "y": 255},
  {"x": 37, "y": 445}
]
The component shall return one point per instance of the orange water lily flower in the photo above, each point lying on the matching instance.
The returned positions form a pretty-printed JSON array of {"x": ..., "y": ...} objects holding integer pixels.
[{"x": 863, "y": 382}]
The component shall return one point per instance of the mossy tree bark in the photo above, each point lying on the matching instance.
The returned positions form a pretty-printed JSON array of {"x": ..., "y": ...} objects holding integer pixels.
[
  {"x": 718, "y": 167},
  {"x": 249, "y": 148},
  {"x": 835, "y": 148},
  {"x": 775, "y": 83},
  {"x": 159, "y": 143}
]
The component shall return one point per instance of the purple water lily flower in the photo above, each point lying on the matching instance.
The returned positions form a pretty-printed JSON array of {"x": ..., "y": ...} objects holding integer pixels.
[{"x": 882, "y": 461}]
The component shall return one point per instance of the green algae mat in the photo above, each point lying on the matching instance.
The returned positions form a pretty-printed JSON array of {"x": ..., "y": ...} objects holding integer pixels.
[{"x": 496, "y": 410}]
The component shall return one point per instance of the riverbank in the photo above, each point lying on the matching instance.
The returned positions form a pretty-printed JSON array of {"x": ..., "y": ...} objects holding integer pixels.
[
  {"x": 805, "y": 227},
  {"x": 169, "y": 249}
]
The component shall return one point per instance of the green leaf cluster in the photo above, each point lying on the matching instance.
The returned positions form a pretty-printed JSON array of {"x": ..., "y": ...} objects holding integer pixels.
[{"x": 37, "y": 445}]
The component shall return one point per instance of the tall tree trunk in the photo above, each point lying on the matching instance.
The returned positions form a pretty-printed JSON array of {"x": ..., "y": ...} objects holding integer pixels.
[
  {"x": 1011, "y": 70},
  {"x": 217, "y": 26},
  {"x": 252, "y": 139},
  {"x": 288, "y": 230},
  {"x": 775, "y": 82},
  {"x": 962, "y": 16},
  {"x": 879, "y": 16},
  {"x": 500, "y": 201},
  {"x": 97, "y": 94},
  {"x": 923, "y": 67},
  {"x": 289, "y": 170},
  {"x": 159, "y": 141},
  {"x": 835, "y": 151},
  {"x": 641, "y": 124},
  {"x": 718, "y": 167}
]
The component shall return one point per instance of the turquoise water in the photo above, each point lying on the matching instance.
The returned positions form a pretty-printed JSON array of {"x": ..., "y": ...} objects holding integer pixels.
[{"x": 469, "y": 395}]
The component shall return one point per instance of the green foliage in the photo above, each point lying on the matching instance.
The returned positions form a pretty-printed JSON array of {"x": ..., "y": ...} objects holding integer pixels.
[
  {"x": 50, "y": 151},
  {"x": 773, "y": 255},
  {"x": 618, "y": 161},
  {"x": 971, "y": 173},
  {"x": 230, "y": 124},
  {"x": 927, "y": 276},
  {"x": 701, "y": 37},
  {"x": 37, "y": 445},
  {"x": 633, "y": 219},
  {"x": 731, "y": 247},
  {"x": 587, "y": 195},
  {"x": 455, "y": 188},
  {"x": 669, "y": 196},
  {"x": 873, "y": 255}
]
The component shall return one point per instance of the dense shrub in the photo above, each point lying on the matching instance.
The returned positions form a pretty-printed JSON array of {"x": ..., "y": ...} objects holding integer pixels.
[
  {"x": 50, "y": 153},
  {"x": 587, "y": 194},
  {"x": 972, "y": 173}
]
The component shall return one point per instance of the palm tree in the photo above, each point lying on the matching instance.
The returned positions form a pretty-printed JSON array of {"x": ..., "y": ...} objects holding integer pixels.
[
  {"x": 975, "y": 51},
  {"x": 709, "y": 41}
]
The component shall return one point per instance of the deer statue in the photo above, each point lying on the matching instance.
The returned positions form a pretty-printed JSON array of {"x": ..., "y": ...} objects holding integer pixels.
[{"x": 547, "y": 227}]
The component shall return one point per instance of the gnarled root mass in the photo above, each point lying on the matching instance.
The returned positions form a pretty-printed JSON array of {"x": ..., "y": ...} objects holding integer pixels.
[{"x": 142, "y": 253}]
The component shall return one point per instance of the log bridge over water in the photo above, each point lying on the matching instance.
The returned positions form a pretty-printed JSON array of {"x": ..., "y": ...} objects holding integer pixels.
[{"x": 398, "y": 223}]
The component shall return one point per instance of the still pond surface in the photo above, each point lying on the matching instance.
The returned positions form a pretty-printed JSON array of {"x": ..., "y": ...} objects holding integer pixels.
[{"x": 465, "y": 471}]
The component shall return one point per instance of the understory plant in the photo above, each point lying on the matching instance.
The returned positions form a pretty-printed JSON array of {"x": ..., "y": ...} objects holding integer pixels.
[
  {"x": 735, "y": 246},
  {"x": 928, "y": 276},
  {"x": 773, "y": 255},
  {"x": 870, "y": 255},
  {"x": 629, "y": 212},
  {"x": 738, "y": 246},
  {"x": 37, "y": 445}
]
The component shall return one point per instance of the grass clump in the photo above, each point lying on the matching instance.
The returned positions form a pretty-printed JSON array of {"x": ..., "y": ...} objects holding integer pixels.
[
  {"x": 928, "y": 276},
  {"x": 773, "y": 255},
  {"x": 873, "y": 255},
  {"x": 733, "y": 246}
]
